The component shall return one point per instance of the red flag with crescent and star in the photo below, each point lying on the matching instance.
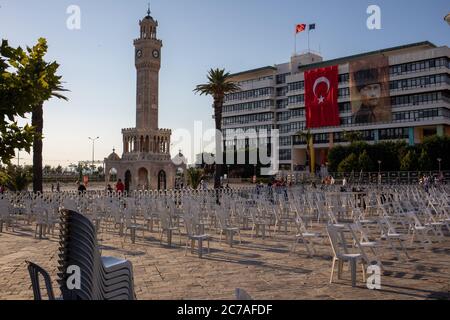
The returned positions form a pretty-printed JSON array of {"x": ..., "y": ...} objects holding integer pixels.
[
  {"x": 300, "y": 28},
  {"x": 321, "y": 97}
]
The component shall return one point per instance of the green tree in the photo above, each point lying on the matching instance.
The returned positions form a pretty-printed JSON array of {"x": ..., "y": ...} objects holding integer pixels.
[
  {"x": 15, "y": 178},
  {"x": 46, "y": 84},
  {"x": 349, "y": 164},
  {"x": 219, "y": 84},
  {"x": 16, "y": 100},
  {"x": 308, "y": 138},
  {"x": 437, "y": 147},
  {"x": 352, "y": 136},
  {"x": 37, "y": 82},
  {"x": 194, "y": 177},
  {"x": 409, "y": 162},
  {"x": 335, "y": 157},
  {"x": 365, "y": 163},
  {"x": 424, "y": 162}
]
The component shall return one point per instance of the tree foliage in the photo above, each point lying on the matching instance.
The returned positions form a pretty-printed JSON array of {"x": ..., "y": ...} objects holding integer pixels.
[
  {"x": 394, "y": 156},
  {"x": 195, "y": 176},
  {"x": 349, "y": 164},
  {"x": 15, "y": 178},
  {"x": 26, "y": 82},
  {"x": 219, "y": 84}
]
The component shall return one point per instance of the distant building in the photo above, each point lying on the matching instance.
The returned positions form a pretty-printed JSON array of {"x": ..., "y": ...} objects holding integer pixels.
[{"x": 416, "y": 102}]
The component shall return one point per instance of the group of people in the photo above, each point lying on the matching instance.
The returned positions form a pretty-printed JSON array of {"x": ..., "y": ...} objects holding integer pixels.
[
  {"x": 120, "y": 187},
  {"x": 58, "y": 187},
  {"x": 428, "y": 181},
  {"x": 328, "y": 180}
]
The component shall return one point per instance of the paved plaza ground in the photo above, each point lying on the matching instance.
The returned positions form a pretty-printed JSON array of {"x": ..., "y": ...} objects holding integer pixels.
[{"x": 264, "y": 268}]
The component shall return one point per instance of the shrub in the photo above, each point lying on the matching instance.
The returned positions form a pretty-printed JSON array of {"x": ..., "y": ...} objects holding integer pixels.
[{"x": 349, "y": 164}]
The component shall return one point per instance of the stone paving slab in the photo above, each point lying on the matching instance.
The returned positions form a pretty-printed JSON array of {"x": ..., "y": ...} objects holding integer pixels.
[{"x": 264, "y": 268}]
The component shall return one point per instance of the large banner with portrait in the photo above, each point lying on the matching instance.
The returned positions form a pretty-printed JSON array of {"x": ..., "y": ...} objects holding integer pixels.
[{"x": 369, "y": 90}]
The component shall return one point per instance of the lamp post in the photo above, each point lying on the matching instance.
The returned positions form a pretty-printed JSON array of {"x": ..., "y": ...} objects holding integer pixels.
[
  {"x": 379, "y": 172},
  {"x": 93, "y": 149},
  {"x": 447, "y": 18},
  {"x": 439, "y": 161}
]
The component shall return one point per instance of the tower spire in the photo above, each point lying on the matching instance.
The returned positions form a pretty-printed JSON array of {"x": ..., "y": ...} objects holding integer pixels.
[{"x": 148, "y": 10}]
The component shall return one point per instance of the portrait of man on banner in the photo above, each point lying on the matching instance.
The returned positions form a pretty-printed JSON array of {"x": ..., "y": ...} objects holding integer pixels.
[{"x": 369, "y": 90}]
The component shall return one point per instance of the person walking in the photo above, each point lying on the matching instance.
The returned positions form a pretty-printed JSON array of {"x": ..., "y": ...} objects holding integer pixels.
[
  {"x": 120, "y": 187},
  {"x": 81, "y": 188}
]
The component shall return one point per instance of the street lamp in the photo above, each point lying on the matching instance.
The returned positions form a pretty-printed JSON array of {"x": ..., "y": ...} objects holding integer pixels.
[
  {"x": 447, "y": 18},
  {"x": 439, "y": 161},
  {"x": 93, "y": 149},
  {"x": 379, "y": 172}
]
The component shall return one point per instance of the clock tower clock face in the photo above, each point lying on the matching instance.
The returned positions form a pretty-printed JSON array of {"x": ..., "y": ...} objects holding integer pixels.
[
  {"x": 155, "y": 54},
  {"x": 139, "y": 53}
]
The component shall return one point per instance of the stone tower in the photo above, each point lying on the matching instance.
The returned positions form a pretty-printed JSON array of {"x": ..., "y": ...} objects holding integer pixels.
[
  {"x": 148, "y": 63},
  {"x": 145, "y": 162}
]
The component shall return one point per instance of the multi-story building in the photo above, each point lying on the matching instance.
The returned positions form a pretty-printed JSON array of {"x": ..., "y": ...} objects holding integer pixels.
[{"x": 273, "y": 97}]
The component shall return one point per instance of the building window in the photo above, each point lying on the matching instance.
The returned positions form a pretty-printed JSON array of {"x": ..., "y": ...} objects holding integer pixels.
[
  {"x": 418, "y": 66},
  {"x": 300, "y": 99},
  {"x": 345, "y": 107},
  {"x": 419, "y": 82},
  {"x": 285, "y": 155},
  {"x": 393, "y": 133},
  {"x": 344, "y": 78},
  {"x": 343, "y": 92},
  {"x": 282, "y": 104},
  {"x": 285, "y": 141},
  {"x": 249, "y": 106},
  {"x": 296, "y": 86},
  {"x": 282, "y": 91},
  {"x": 281, "y": 78}
]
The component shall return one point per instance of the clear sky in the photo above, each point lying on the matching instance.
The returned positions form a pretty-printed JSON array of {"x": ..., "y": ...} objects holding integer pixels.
[{"x": 97, "y": 61}]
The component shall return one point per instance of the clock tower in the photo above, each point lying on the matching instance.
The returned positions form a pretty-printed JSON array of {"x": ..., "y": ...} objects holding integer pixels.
[
  {"x": 145, "y": 163},
  {"x": 148, "y": 63}
]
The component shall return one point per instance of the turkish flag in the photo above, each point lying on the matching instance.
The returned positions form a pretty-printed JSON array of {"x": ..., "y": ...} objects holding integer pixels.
[
  {"x": 321, "y": 97},
  {"x": 300, "y": 28}
]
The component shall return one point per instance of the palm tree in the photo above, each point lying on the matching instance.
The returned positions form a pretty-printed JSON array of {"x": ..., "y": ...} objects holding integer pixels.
[
  {"x": 194, "y": 176},
  {"x": 307, "y": 135},
  {"x": 46, "y": 86},
  {"x": 352, "y": 136},
  {"x": 219, "y": 84}
]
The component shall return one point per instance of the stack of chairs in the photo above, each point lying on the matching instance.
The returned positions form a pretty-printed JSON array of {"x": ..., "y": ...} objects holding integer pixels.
[{"x": 102, "y": 278}]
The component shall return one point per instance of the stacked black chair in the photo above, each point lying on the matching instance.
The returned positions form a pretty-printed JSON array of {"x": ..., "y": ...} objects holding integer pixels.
[
  {"x": 102, "y": 278},
  {"x": 35, "y": 271}
]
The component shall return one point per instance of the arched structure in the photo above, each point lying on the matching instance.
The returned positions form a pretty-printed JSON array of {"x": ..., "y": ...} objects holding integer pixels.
[{"x": 146, "y": 148}]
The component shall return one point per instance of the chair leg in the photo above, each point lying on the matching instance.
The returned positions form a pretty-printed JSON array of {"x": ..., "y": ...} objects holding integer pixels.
[
  {"x": 363, "y": 272},
  {"x": 353, "y": 271},
  {"x": 340, "y": 267},
  {"x": 403, "y": 249},
  {"x": 332, "y": 270}
]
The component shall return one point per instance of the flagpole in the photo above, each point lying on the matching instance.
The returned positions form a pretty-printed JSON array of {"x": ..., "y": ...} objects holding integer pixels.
[
  {"x": 309, "y": 30},
  {"x": 295, "y": 42}
]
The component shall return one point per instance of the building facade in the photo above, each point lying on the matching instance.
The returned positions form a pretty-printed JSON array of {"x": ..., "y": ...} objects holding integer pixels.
[
  {"x": 273, "y": 97},
  {"x": 145, "y": 162}
]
